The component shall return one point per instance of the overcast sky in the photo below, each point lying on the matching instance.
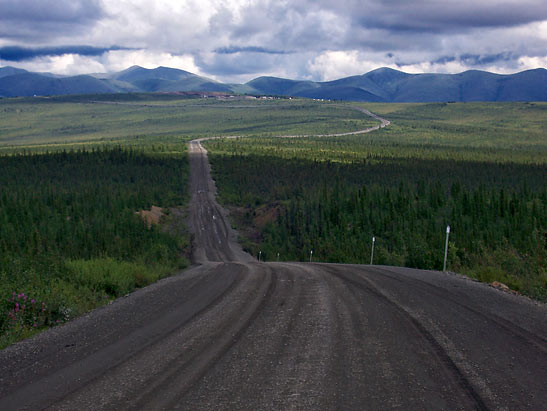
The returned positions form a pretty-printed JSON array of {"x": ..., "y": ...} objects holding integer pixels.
[{"x": 237, "y": 40}]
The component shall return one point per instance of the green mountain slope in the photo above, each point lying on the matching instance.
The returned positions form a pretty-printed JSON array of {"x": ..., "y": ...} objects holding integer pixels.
[
  {"x": 10, "y": 71},
  {"x": 29, "y": 84},
  {"x": 381, "y": 85}
]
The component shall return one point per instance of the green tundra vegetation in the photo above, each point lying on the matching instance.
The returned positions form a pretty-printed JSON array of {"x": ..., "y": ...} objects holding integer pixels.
[
  {"x": 132, "y": 119},
  {"x": 70, "y": 238},
  {"x": 480, "y": 168},
  {"x": 74, "y": 172}
]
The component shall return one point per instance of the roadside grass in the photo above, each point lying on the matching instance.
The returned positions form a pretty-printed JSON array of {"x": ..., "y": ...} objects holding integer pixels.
[
  {"x": 115, "y": 278},
  {"x": 70, "y": 238}
]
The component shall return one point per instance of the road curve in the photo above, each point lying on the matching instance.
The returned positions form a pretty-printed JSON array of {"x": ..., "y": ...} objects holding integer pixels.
[{"x": 234, "y": 333}]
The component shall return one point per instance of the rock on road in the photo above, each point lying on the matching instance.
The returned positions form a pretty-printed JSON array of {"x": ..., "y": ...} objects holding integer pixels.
[{"x": 234, "y": 333}]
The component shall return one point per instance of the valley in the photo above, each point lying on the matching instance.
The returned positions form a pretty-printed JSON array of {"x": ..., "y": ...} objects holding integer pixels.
[{"x": 286, "y": 332}]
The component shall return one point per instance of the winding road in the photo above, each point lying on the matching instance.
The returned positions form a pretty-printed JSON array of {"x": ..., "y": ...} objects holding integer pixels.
[{"x": 235, "y": 333}]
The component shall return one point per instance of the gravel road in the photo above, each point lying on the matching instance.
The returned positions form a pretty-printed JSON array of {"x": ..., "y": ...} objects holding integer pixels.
[{"x": 235, "y": 333}]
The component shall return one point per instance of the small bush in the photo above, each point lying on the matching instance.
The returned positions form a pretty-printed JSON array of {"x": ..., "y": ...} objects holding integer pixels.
[{"x": 106, "y": 275}]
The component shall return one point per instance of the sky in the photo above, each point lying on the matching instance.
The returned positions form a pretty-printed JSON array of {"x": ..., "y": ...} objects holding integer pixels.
[{"x": 238, "y": 40}]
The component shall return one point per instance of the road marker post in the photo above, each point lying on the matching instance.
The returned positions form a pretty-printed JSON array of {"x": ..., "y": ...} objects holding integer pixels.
[
  {"x": 372, "y": 250},
  {"x": 259, "y": 255},
  {"x": 311, "y": 254},
  {"x": 277, "y": 257},
  {"x": 446, "y": 247}
]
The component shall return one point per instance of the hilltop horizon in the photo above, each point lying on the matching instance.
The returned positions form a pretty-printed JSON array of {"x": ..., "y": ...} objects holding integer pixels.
[
  {"x": 383, "y": 84},
  {"x": 160, "y": 66}
]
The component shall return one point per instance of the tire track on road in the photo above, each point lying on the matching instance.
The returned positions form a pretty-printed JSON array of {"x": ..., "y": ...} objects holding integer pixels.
[
  {"x": 48, "y": 388},
  {"x": 159, "y": 373},
  {"x": 439, "y": 346},
  {"x": 250, "y": 335},
  {"x": 271, "y": 368},
  {"x": 536, "y": 341}
]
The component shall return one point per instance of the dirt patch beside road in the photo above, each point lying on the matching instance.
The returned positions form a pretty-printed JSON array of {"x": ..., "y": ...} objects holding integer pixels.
[{"x": 152, "y": 216}]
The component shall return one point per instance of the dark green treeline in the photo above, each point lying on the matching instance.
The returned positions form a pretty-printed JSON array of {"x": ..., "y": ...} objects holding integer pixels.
[
  {"x": 497, "y": 213},
  {"x": 69, "y": 234}
]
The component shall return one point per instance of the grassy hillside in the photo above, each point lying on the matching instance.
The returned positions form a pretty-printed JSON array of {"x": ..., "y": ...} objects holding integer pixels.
[
  {"x": 505, "y": 132},
  {"x": 135, "y": 118}
]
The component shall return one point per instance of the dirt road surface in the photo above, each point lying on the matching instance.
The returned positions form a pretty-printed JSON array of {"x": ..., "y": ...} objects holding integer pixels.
[{"x": 235, "y": 333}]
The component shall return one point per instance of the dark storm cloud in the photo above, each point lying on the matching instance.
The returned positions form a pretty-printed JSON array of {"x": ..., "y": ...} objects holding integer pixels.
[
  {"x": 441, "y": 16},
  {"x": 478, "y": 59},
  {"x": 73, "y": 11},
  {"x": 23, "y": 53},
  {"x": 232, "y": 64},
  {"x": 249, "y": 49},
  {"x": 241, "y": 67},
  {"x": 373, "y": 25},
  {"x": 298, "y": 38},
  {"x": 283, "y": 27},
  {"x": 42, "y": 19},
  {"x": 428, "y": 33}
]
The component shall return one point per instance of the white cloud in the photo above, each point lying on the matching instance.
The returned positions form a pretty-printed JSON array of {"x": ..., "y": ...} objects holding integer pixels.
[
  {"x": 527, "y": 63},
  {"x": 67, "y": 64},
  {"x": 112, "y": 61},
  {"x": 121, "y": 59},
  {"x": 324, "y": 39},
  {"x": 331, "y": 65}
]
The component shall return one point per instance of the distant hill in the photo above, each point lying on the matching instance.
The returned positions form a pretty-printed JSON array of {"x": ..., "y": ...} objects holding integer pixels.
[
  {"x": 390, "y": 85},
  {"x": 10, "y": 71},
  {"x": 165, "y": 79},
  {"x": 29, "y": 84},
  {"x": 280, "y": 86},
  {"x": 381, "y": 85}
]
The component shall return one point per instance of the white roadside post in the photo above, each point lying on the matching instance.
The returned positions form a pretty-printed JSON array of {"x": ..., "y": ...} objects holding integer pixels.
[
  {"x": 446, "y": 247},
  {"x": 277, "y": 257},
  {"x": 311, "y": 254},
  {"x": 372, "y": 250},
  {"x": 259, "y": 255}
]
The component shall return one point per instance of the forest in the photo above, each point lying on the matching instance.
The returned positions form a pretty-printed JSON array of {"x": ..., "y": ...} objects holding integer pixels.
[
  {"x": 332, "y": 195},
  {"x": 70, "y": 238},
  {"x": 76, "y": 170}
]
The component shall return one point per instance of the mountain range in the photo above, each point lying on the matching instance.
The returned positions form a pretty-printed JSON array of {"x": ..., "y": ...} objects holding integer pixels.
[{"x": 381, "y": 85}]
